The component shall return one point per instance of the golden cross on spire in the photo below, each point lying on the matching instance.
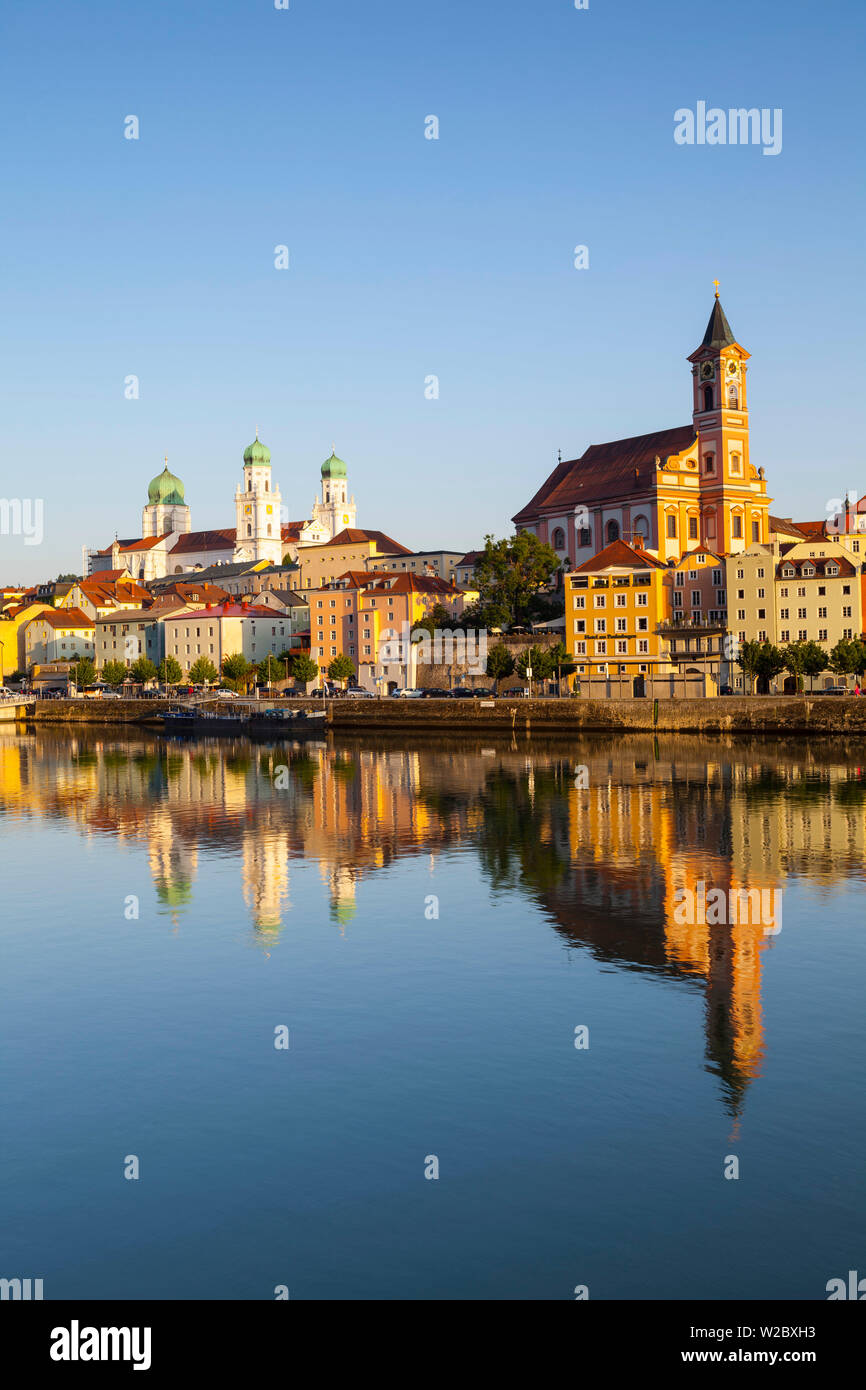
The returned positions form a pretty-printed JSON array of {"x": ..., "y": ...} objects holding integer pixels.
[
  {"x": 165, "y": 460},
  {"x": 716, "y": 283},
  {"x": 257, "y": 431}
]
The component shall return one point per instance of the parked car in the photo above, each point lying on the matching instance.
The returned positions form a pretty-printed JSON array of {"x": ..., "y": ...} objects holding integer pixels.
[
  {"x": 482, "y": 693},
  {"x": 460, "y": 692},
  {"x": 408, "y": 694},
  {"x": 833, "y": 690},
  {"x": 433, "y": 693},
  {"x": 516, "y": 692},
  {"x": 227, "y": 694},
  {"x": 357, "y": 692},
  {"x": 726, "y": 690}
]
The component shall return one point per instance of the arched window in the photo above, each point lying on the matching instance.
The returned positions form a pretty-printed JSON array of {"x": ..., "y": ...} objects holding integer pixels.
[
  {"x": 269, "y": 528},
  {"x": 612, "y": 531},
  {"x": 267, "y": 486},
  {"x": 558, "y": 541},
  {"x": 733, "y": 396},
  {"x": 641, "y": 527},
  {"x": 249, "y": 484},
  {"x": 249, "y": 529},
  {"x": 708, "y": 398}
]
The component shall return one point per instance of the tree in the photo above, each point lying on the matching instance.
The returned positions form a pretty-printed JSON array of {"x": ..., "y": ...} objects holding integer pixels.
[
  {"x": 304, "y": 669},
  {"x": 814, "y": 661},
  {"x": 170, "y": 672},
  {"x": 202, "y": 671},
  {"x": 561, "y": 661},
  {"x": 236, "y": 670},
  {"x": 749, "y": 662},
  {"x": 271, "y": 669},
  {"x": 341, "y": 669},
  {"x": 83, "y": 671},
  {"x": 538, "y": 660},
  {"x": 508, "y": 574},
  {"x": 500, "y": 663},
  {"x": 848, "y": 658},
  {"x": 114, "y": 673},
  {"x": 143, "y": 670},
  {"x": 770, "y": 662}
]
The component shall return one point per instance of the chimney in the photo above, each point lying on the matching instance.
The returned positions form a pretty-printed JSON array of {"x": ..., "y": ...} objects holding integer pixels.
[{"x": 637, "y": 543}]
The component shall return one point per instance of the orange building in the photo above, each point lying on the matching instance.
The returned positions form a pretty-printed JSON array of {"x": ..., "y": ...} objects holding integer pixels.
[
  {"x": 351, "y": 616},
  {"x": 614, "y": 606}
]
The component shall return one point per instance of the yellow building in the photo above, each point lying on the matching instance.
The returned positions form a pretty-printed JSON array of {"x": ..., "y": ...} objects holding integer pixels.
[
  {"x": 13, "y": 626},
  {"x": 350, "y": 550},
  {"x": 615, "y": 605}
]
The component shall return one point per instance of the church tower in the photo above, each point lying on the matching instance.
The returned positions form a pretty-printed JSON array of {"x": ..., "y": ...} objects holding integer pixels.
[
  {"x": 166, "y": 512},
  {"x": 734, "y": 505},
  {"x": 258, "y": 509},
  {"x": 336, "y": 511}
]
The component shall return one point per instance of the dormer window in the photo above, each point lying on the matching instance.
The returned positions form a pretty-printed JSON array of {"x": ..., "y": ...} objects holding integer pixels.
[
  {"x": 832, "y": 569},
  {"x": 808, "y": 570}
]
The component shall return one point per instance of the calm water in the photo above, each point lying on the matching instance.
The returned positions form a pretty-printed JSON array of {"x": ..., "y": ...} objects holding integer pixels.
[{"x": 305, "y": 898}]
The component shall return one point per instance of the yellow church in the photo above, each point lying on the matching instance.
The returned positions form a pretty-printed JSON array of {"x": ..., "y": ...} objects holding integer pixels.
[{"x": 675, "y": 490}]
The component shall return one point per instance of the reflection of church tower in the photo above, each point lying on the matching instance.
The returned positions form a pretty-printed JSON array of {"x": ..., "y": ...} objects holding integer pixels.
[
  {"x": 257, "y": 509},
  {"x": 335, "y": 511},
  {"x": 265, "y": 881},
  {"x": 341, "y": 884},
  {"x": 173, "y": 864},
  {"x": 166, "y": 512}
]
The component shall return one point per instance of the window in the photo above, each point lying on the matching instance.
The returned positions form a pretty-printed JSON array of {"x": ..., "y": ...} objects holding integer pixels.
[
  {"x": 846, "y": 588},
  {"x": 783, "y": 613},
  {"x": 786, "y": 636},
  {"x": 822, "y": 634},
  {"x": 721, "y": 597},
  {"x": 622, "y": 648},
  {"x": 680, "y": 579},
  {"x": 678, "y": 599},
  {"x": 801, "y": 592},
  {"x": 643, "y": 624},
  {"x": 739, "y": 574},
  {"x": 783, "y": 593},
  {"x": 708, "y": 398},
  {"x": 709, "y": 463},
  {"x": 612, "y": 531},
  {"x": 762, "y": 613},
  {"x": 621, "y": 625},
  {"x": 643, "y": 646},
  {"x": 672, "y": 527},
  {"x": 717, "y": 577},
  {"x": 822, "y": 612},
  {"x": 584, "y": 536},
  {"x": 741, "y": 615},
  {"x": 760, "y": 572},
  {"x": 558, "y": 541},
  {"x": 641, "y": 527},
  {"x": 801, "y": 612},
  {"x": 696, "y": 598},
  {"x": 601, "y": 624},
  {"x": 580, "y": 625},
  {"x": 641, "y": 600},
  {"x": 693, "y": 528},
  {"x": 620, "y": 600},
  {"x": 761, "y": 593},
  {"x": 735, "y": 463},
  {"x": 846, "y": 612},
  {"x": 737, "y": 527},
  {"x": 802, "y": 635},
  {"x": 756, "y": 530},
  {"x": 600, "y": 600},
  {"x": 822, "y": 588}
]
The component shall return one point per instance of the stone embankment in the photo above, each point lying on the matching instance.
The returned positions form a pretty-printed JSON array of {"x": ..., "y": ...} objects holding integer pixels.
[{"x": 756, "y": 714}]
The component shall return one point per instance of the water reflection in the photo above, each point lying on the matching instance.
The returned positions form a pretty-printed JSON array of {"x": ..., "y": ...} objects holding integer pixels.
[{"x": 603, "y": 862}]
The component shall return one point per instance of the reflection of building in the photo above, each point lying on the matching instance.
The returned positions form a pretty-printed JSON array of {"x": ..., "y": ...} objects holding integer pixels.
[{"x": 604, "y": 861}]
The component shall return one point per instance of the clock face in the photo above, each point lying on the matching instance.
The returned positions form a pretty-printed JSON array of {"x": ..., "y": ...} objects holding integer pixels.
[
  {"x": 345, "y": 521},
  {"x": 733, "y": 368},
  {"x": 708, "y": 371}
]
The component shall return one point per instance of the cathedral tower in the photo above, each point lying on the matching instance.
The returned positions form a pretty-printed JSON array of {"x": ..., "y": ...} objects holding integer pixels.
[
  {"x": 258, "y": 509},
  {"x": 336, "y": 510}
]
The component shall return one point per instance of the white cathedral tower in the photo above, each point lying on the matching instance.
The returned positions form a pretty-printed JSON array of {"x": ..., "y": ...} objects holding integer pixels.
[
  {"x": 335, "y": 511},
  {"x": 258, "y": 509}
]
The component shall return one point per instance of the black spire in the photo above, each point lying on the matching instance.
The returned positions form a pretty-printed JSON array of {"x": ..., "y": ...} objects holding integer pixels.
[{"x": 718, "y": 334}]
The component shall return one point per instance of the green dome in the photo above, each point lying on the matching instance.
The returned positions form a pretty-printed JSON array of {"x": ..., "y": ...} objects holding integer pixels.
[
  {"x": 167, "y": 490},
  {"x": 256, "y": 455},
  {"x": 333, "y": 467}
]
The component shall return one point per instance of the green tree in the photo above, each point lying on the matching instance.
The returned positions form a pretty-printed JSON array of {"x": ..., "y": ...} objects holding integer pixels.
[
  {"x": 83, "y": 672},
  {"x": 114, "y": 673},
  {"x": 749, "y": 661},
  {"x": 500, "y": 663},
  {"x": 341, "y": 669},
  {"x": 814, "y": 661},
  {"x": 203, "y": 672},
  {"x": 848, "y": 658},
  {"x": 170, "y": 672},
  {"x": 303, "y": 669},
  {"x": 271, "y": 669},
  {"x": 143, "y": 670},
  {"x": 508, "y": 574},
  {"x": 770, "y": 662},
  {"x": 538, "y": 659},
  {"x": 236, "y": 670},
  {"x": 561, "y": 661}
]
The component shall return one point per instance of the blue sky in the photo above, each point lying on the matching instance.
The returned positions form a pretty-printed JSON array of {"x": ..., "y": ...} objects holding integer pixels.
[{"x": 412, "y": 257}]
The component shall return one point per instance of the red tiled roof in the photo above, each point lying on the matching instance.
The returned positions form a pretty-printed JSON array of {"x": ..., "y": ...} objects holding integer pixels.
[
  {"x": 820, "y": 563},
  {"x": 65, "y": 617},
  {"x": 145, "y": 544},
  {"x": 229, "y": 610},
  {"x": 811, "y": 529},
  {"x": 619, "y": 553},
  {"x": 205, "y": 540},
  {"x": 355, "y": 536},
  {"x": 617, "y": 469}
]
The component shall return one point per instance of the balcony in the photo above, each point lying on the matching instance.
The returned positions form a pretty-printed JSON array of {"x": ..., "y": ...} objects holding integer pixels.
[{"x": 693, "y": 622}]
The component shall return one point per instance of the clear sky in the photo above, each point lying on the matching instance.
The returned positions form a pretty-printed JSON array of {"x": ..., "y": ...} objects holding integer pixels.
[{"x": 412, "y": 257}]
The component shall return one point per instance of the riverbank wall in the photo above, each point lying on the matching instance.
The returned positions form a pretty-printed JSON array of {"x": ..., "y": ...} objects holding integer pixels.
[{"x": 755, "y": 714}]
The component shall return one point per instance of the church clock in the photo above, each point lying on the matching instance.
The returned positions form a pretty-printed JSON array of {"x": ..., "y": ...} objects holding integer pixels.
[{"x": 708, "y": 371}]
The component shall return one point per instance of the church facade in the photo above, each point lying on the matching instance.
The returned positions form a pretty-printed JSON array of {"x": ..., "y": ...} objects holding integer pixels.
[
  {"x": 168, "y": 545},
  {"x": 670, "y": 491}
]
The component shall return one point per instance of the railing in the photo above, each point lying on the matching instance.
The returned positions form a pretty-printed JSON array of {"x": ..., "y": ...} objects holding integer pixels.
[{"x": 691, "y": 622}]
